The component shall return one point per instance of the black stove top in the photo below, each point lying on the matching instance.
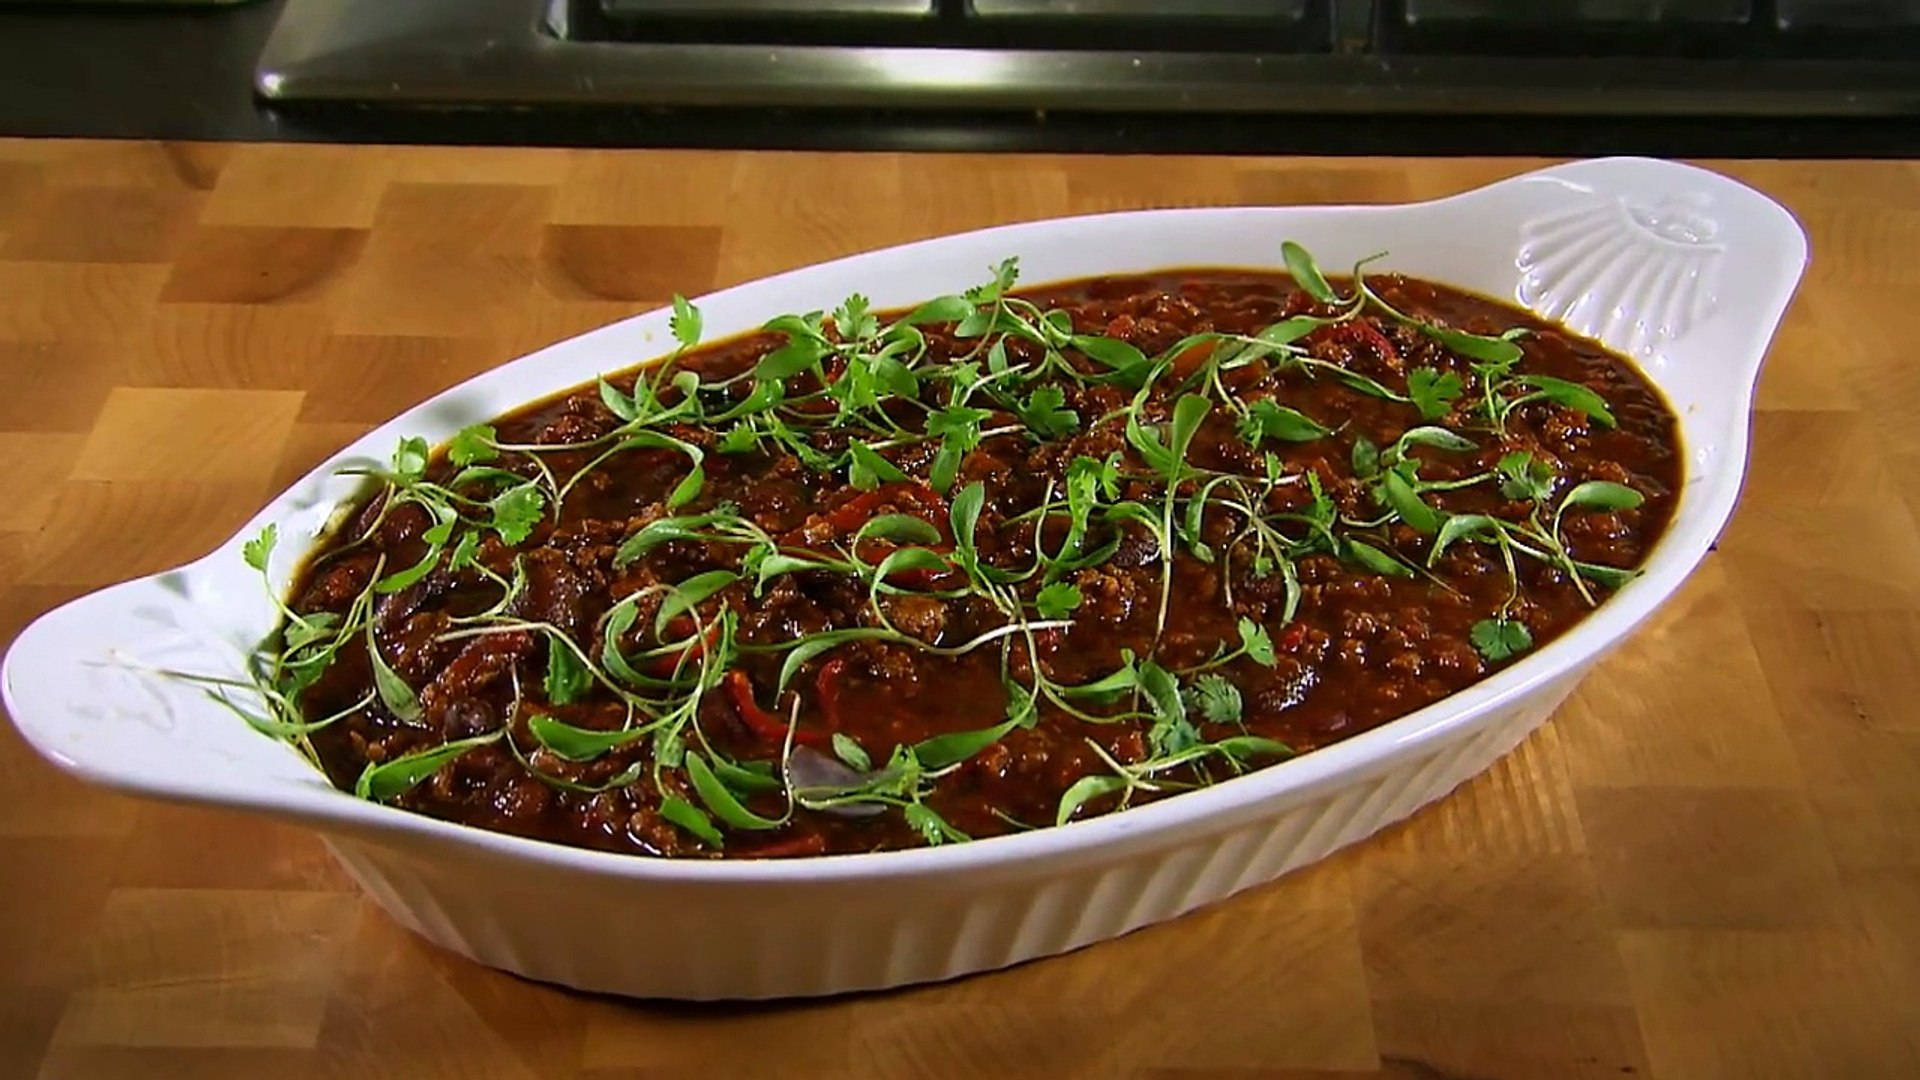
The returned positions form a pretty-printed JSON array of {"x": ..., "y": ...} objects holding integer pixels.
[
  {"x": 1705, "y": 29},
  {"x": 1277, "y": 57}
]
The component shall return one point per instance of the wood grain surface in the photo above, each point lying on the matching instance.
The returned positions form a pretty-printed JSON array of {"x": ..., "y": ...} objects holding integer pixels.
[{"x": 1707, "y": 865}]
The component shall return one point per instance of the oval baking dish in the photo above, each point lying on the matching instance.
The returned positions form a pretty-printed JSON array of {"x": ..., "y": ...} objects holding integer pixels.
[{"x": 1686, "y": 270}]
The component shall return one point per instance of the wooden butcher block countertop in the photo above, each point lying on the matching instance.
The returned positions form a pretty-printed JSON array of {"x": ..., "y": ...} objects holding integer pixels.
[{"x": 1706, "y": 865}]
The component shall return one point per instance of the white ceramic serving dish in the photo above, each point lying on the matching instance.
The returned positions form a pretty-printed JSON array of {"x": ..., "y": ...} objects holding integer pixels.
[{"x": 1686, "y": 269}]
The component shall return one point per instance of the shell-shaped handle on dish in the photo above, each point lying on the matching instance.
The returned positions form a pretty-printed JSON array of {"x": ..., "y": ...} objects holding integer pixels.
[{"x": 1635, "y": 274}]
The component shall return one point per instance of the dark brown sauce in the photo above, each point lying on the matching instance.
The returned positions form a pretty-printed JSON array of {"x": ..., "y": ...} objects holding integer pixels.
[{"x": 1362, "y": 650}]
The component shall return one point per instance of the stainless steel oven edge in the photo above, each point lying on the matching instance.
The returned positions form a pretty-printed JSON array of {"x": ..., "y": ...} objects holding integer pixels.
[{"x": 516, "y": 52}]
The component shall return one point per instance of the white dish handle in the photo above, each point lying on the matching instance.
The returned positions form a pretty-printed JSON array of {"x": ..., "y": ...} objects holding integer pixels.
[{"x": 113, "y": 717}]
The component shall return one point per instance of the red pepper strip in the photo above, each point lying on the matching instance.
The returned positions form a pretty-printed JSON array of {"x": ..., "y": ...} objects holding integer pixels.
[
  {"x": 924, "y": 579},
  {"x": 854, "y": 513},
  {"x": 826, "y": 690},
  {"x": 663, "y": 666},
  {"x": 764, "y": 724}
]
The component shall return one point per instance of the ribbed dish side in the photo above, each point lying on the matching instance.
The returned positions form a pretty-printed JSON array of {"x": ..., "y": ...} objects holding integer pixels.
[{"x": 815, "y": 938}]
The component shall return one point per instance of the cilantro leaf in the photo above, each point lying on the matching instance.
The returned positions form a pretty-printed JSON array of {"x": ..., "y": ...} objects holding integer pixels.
[
  {"x": 578, "y": 743},
  {"x": 1320, "y": 510},
  {"x": 1057, "y": 601},
  {"x": 1438, "y": 438},
  {"x": 1087, "y": 479},
  {"x": 997, "y": 362},
  {"x": 1004, "y": 276},
  {"x": 472, "y": 444},
  {"x": 1171, "y": 731},
  {"x": 854, "y": 320},
  {"x": 1499, "y": 639},
  {"x": 516, "y": 511},
  {"x": 1240, "y": 748},
  {"x": 931, "y": 826},
  {"x": 400, "y": 579},
  {"x": 958, "y": 429},
  {"x": 1433, "y": 392},
  {"x": 464, "y": 551},
  {"x": 259, "y": 549},
  {"x": 1105, "y": 471},
  {"x": 739, "y": 439},
  {"x": 1214, "y": 698},
  {"x": 1045, "y": 412},
  {"x": 1523, "y": 476}
]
